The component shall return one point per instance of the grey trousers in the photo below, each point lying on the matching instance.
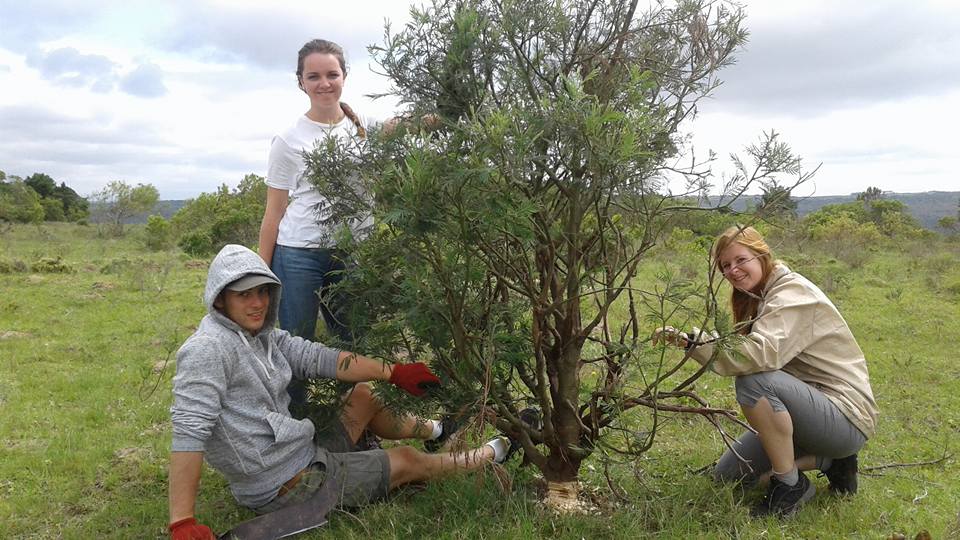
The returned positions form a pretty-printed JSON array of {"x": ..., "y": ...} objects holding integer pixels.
[{"x": 819, "y": 428}]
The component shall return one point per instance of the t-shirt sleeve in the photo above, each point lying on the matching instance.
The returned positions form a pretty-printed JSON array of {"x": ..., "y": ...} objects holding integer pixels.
[{"x": 282, "y": 165}]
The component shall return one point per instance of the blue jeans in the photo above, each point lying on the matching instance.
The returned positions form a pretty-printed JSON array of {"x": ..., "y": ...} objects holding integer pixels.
[{"x": 306, "y": 275}]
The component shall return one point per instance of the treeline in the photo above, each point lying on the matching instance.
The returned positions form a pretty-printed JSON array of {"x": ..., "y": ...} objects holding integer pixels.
[{"x": 38, "y": 198}]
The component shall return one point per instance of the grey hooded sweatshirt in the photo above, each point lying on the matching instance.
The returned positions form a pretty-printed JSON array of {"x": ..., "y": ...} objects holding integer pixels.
[{"x": 230, "y": 392}]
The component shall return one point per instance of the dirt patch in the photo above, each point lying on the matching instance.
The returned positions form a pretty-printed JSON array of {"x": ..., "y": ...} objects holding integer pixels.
[
  {"x": 13, "y": 334},
  {"x": 194, "y": 264},
  {"x": 103, "y": 286}
]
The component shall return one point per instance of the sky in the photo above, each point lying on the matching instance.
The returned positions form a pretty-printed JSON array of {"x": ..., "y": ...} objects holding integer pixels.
[{"x": 187, "y": 94}]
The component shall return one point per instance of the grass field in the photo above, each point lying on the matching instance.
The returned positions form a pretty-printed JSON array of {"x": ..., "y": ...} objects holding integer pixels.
[{"x": 89, "y": 327}]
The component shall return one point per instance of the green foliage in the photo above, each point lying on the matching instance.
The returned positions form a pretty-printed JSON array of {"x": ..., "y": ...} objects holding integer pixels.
[
  {"x": 60, "y": 203},
  {"x": 119, "y": 201},
  {"x": 52, "y": 265},
  {"x": 870, "y": 194},
  {"x": 776, "y": 203},
  {"x": 886, "y": 217},
  {"x": 511, "y": 234},
  {"x": 53, "y": 210},
  {"x": 158, "y": 234},
  {"x": 210, "y": 221},
  {"x": 19, "y": 203},
  {"x": 843, "y": 237}
]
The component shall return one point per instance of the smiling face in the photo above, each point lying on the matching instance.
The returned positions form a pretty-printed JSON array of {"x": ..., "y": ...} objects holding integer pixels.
[
  {"x": 322, "y": 79},
  {"x": 742, "y": 267},
  {"x": 246, "y": 308}
]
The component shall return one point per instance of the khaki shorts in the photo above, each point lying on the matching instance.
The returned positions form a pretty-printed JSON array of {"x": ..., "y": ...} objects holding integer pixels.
[{"x": 364, "y": 477}]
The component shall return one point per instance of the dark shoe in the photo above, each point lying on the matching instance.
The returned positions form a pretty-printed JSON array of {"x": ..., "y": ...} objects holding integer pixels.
[
  {"x": 449, "y": 427},
  {"x": 531, "y": 417},
  {"x": 842, "y": 475},
  {"x": 782, "y": 500}
]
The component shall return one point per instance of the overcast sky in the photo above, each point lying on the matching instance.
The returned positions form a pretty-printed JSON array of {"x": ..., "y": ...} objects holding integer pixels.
[{"x": 186, "y": 95}]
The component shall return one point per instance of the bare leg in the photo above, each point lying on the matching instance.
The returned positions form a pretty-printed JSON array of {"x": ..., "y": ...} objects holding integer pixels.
[
  {"x": 775, "y": 430},
  {"x": 407, "y": 464},
  {"x": 362, "y": 410}
]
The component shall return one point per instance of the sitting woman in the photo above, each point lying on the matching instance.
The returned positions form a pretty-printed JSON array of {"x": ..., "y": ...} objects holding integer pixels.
[{"x": 801, "y": 378}]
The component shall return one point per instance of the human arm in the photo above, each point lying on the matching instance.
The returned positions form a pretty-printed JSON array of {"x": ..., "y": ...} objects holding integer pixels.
[
  {"x": 184, "y": 481},
  {"x": 308, "y": 359},
  {"x": 269, "y": 228},
  {"x": 415, "y": 378},
  {"x": 785, "y": 327}
]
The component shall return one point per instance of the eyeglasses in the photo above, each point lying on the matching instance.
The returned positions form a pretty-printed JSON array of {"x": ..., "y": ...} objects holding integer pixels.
[{"x": 726, "y": 270}]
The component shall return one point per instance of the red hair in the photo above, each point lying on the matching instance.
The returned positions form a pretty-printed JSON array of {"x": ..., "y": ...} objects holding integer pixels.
[{"x": 743, "y": 304}]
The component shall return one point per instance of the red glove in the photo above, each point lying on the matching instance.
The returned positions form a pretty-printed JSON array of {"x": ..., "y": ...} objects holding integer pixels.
[
  {"x": 189, "y": 529},
  {"x": 415, "y": 378}
]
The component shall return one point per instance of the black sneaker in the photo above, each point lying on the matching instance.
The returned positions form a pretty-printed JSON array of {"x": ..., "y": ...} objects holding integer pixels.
[
  {"x": 449, "y": 427},
  {"x": 842, "y": 475},
  {"x": 782, "y": 500},
  {"x": 531, "y": 417}
]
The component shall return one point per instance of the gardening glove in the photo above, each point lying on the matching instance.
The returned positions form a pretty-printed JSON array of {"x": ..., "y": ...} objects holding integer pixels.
[
  {"x": 189, "y": 529},
  {"x": 415, "y": 378},
  {"x": 670, "y": 335}
]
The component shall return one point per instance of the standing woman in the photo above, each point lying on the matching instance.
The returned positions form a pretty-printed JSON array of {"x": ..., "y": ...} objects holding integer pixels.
[
  {"x": 801, "y": 378},
  {"x": 298, "y": 249}
]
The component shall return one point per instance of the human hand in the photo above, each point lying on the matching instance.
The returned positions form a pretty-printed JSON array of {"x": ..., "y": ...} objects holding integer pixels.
[
  {"x": 189, "y": 529},
  {"x": 415, "y": 378},
  {"x": 669, "y": 335}
]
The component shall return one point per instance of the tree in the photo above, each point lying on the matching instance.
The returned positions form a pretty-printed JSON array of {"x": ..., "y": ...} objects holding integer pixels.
[
  {"x": 42, "y": 184},
  {"x": 510, "y": 236},
  {"x": 19, "y": 203},
  {"x": 119, "y": 201},
  {"x": 777, "y": 203},
  {"x": 210, "y": 221},
  {"x": 949, "y": 224},
  {"x": 871, "y": 194}
]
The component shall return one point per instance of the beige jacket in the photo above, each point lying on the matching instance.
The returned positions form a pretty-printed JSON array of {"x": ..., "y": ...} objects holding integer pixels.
[{"x": 799, "y": 330}]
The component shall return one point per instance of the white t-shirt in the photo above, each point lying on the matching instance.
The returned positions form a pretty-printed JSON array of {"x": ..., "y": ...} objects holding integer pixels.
[{"x": 300, "y": 225}]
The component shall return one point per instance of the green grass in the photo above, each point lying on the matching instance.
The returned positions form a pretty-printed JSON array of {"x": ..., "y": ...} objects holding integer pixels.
[{"x": 86, "y": 360}]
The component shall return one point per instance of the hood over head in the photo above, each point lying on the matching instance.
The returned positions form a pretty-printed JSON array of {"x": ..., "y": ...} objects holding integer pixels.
[{"x": 235, "y": 262}]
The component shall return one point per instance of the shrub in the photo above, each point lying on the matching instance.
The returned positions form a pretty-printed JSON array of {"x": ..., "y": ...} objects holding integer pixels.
[
  {"x": 211, "y": 220},
  {"x": 158, "y": 234},
  {"x": 50, "y": 265},
  {"x": 12, "y": 267},
  {"x": 841, "y": 236}
]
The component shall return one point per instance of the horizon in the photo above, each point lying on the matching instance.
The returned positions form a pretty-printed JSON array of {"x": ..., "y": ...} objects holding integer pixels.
[{"x": 187, "y": 96}]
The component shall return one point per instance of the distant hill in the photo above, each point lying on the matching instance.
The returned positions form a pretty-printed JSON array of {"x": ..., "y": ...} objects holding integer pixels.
[{"x": 927, "y": 207}]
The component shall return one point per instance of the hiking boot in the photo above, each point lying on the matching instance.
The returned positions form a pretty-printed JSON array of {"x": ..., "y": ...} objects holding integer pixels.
[
  {"x": 531, "y": 417},
  {"x": 449, "y": 426},
  {"x": 782, "y": 500},
  {"x": 842, "y": 475}
]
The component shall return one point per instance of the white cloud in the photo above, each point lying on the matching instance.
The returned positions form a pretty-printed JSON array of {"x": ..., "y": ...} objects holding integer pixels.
[{"x": 869, "y": 90}]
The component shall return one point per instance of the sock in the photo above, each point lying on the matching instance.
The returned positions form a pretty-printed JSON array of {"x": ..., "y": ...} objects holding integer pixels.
[
  {"x": 500, "y": 446},
  {"x": 437, "y": 430},
  {"x": 789, "y": 478},
  {"x": 824, "y": 463}
]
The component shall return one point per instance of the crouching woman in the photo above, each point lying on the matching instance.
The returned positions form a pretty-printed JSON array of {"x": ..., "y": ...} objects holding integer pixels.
[{"x": 801, "y": 378}]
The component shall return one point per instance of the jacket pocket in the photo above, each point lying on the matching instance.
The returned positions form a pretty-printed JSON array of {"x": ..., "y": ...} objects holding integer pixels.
[{"x": 287, "y": 429}]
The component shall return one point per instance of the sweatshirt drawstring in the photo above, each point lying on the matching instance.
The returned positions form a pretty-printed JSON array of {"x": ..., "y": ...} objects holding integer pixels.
[{"x": 269, "y": 354}]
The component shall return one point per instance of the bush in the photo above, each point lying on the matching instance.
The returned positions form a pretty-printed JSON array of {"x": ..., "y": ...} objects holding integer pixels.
[
  {"x": 12, "y": 267},
  {"x": 49, "y": 265},
  {"x": 158, "y": 234},
  {"x": 212, "y": 220},
  {"x": 843, "y": 237}
]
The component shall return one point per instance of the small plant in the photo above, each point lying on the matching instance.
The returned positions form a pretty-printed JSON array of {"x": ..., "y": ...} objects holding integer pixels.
[
  {"x": 158, "y": 234},
  {"x": 48, "y": 265}
]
